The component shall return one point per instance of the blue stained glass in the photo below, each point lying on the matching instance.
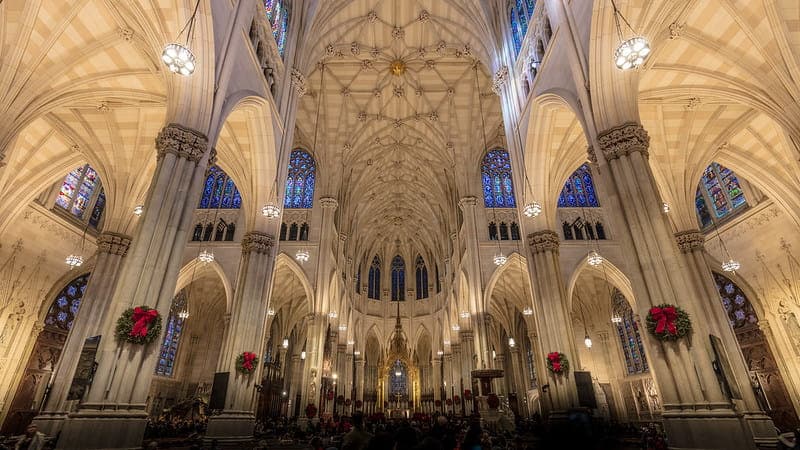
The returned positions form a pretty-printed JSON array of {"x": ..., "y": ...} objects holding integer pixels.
[
  {"x": 718, "y": 191},
  {"x": 172, "y": 336},
  {"x": 71, "y": 290},
  {"x": 278, "y": 16},
  {"x": 62, "y": 301},
  {"x": 219, "y": 191},
  {"x": 300, "y": 180},
  {"x": 398, "y": 278},
  {"x": 628, "y": 333},
  {"x": 421, "y": 278},
  {"x": 498, "y": 188},
  {"x": 62, "y": 316},
  {"x": 374, "y": 286},
  {"x": 579, "y": 190},
  {"x": 531, "y": 4},
  {"x": 97, "y": 211}
]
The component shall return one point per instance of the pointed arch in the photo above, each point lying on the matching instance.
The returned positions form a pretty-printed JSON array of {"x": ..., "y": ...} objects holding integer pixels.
[
  {"x": 195, "y": 269},
  {"x": 219, "y": 191},
  {"x": 579, "y": 190},
  {"x": 398, "y": 278}
]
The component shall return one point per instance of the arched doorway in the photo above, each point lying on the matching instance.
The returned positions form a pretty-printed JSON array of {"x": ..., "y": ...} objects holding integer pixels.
[
  {"x": 33, "y": 388},
  {"x": 767, "y": 382}
]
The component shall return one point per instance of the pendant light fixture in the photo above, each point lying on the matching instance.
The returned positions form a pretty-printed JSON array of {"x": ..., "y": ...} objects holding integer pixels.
[
  {"x": 587, "y": 341},
  {"x": 532, "y": 209},
  {"x": 729, "y": 264},
  {"x": 630, "y": 53},
  {"x": 176, "y": 55},
  {"x": 76, "y": 259}
]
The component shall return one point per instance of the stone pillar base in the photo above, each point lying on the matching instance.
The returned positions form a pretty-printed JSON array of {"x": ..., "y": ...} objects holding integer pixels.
[
  {"x": 50, "y": 422},
  {"x": 103, "y": 429},
  {"x": 762, "y": 428},
  {"x": 707, "y": 429},
  {"x": 231, "y": 427}
]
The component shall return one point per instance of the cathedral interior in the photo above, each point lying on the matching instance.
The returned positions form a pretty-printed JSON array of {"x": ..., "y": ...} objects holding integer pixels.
[{"x": 308, "y": 208}]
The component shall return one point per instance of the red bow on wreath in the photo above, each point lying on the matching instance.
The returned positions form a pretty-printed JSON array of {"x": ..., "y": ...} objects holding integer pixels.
[
  {"x": 555, "y": 360},
  {"x": 141, "y": 319},
  {"x": 665, "y": 318},
  {"x": 248, "y": 358}
]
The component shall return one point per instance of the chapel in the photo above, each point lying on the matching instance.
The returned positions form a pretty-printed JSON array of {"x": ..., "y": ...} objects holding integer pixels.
[{"x": 537, "y": 216}]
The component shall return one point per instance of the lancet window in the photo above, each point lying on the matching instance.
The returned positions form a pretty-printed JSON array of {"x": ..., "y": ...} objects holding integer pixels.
[
  {"x": 300, "y": 180},
  {"x": 498, "y": 188}
]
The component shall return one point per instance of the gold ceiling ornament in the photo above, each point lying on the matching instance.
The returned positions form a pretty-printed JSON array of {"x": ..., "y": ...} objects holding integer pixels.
[{"x": 398, "y": 67}]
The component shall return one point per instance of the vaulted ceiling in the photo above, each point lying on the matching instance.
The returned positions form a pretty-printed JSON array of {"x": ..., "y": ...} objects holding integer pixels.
[{"x": 398, "y": 108}]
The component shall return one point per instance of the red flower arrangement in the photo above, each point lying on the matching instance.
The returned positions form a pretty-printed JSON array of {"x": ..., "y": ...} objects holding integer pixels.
[
  {"x": 449, "y": 402},
  {"x": 246, "y": 363},
  {"x": 467, "y": 394},
  {"x": 456, "y": 398},
  {"x": 557, "y": 363},
  {"x": 140, "y": 325},
  {"x": 311, "y": 410},
  {"x": 668, "y": 322},
  {"x": 493, "y": 401},
  {"x": 359, "y": 404}
]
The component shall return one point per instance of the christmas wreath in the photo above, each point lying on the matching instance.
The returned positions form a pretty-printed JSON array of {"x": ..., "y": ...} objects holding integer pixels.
[
  {"x": 668, "y": 322},
  {"x": 246, "y": 363},
  {"x": 437, "y": 403},
  {"x": 347, "y": 402},
  {"x": 557, "y": 363},
  {"x": 359, "y": 404},
  {"x": 467, "y": 394},
  {"x": 456, "y": 399},
  {"x": 140, "y": 325},
  {"x": 493, "y": 401},
  {"x": 311, "y": 410},
  {"x": 449, "y": 402}
]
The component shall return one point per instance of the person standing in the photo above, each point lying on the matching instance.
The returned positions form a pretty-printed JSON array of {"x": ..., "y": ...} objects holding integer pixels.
[{"x": 357, "y": 438}]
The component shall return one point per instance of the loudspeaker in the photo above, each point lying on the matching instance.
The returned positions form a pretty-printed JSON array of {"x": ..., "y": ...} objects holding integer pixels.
[{"x": 218, "y": 390}]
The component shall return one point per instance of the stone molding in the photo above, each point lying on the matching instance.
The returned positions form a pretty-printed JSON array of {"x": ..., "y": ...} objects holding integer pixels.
[
  {"x": 623, "y": 140},
  {"x": 255, "y": 241},
  {"x": 329, "y": 202},
  {"x": 466, "y": 335},
  {"x": 543, "y": 241},
  {"x": 298, "y": 81},
  {"x": 689, "y": 241},
  {"x": 113, "y": 243},
  {"x": 468, "y": 201},
  {"x": 182, "y": 142}
]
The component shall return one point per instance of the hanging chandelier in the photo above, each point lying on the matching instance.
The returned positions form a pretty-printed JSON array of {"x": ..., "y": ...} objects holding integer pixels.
[
  {"x": 302, "y": 255},
  {"x": 333, "y": 314},
  {"x": 342, "y": 327},
  {"x": 532, "y": 209},
  {"x": 665, "y": 207},
  {"x": 731, "y": 265},
  {"x": 270, "y": 312},
  {"x": 500, "y": 259},
  {"x": 527, "y": 311},
  {"x": 183, "y": 314},
  {"x": 271, "y": 211},
  {"x": 511, "y": 342},
  {"x": 138, "y": 210},
  {"x": 74, "y": 261},
  {"x": 464, "y": 314},
  {"x": 177, "y": 56},
  {"x": 630, "y": 53},
  {"x": 587, "y": 341},
  {"x": 285, "y": 343},
  {"x": 594, "y": 259},
  {"x": 456, "y": 327},
  {"x": 206, "y": 256}
]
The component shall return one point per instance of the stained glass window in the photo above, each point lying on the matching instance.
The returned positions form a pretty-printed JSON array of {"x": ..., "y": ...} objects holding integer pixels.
[
  {"x": 300, "y": 180},
  {"x": 374, "y": 282},
  {"x": 629, "y": 337},
  {"x": 579, "y": 190},
  {"x": 172, "y": 337},
  {"x": 421, "y": 278},
  {"x": 66, "y": 305},
  {"x": 81, "y": 191},
  {"x": 438, "y": 282},
  {"x": 219, "y": 191},
  {"x": 740, "y": 310},
  {"x": 498, "y": 189},
  {"x": 519, "y": 14},
  {"x": 358, "y": 279},
  {"x": 278, "y": 16},
  {"x": 397, "y": 380},
  {"x": 398, "y": 278},
  {"x": 719, "y": 187}
]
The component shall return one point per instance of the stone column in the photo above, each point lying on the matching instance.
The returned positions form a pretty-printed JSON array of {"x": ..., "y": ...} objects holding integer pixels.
[
  {"x": 349, "y": 381},
  {"x": 437, "y": 380},
  {"x": 467, "y": 365},
  {"x": 520, "y": 382},
  {"x": 114, "y": 415},
  {"x": 359, "y": 379},
  {"x": 246, "y": 333},
  {"x": 453, "y": 362},
  {"x": 697, "y": 414},
  {"x": 500, "y": 363},
  {"x": 292, "y": 385},
  {"x": 471, "y": 264},
  {"x": 111, "y": 249},
  {"x": 554, "y": 326},
  {"x": 692, "y": 246}
]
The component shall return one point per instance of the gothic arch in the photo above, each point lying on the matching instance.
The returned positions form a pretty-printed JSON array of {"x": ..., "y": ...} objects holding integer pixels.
[{"x": 195, "y": 269}]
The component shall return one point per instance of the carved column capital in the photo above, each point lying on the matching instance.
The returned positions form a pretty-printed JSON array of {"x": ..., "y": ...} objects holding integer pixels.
[
  {"x": 113, "y": 243},
  {"x": 467, "y": 201},
  {"x": 182, "y": 142},
  {"x": 466, "y": 335},
  {"x": 623, "y": 140},
  {"x": 689, "y": 241},
  {"x": 543, "y": 241},
  {"x": 329, "y": 202},
  {"x": 499, "y": 80},
  {"x": 256, "y": 241},
  {"x": 298, "y": 82}
]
